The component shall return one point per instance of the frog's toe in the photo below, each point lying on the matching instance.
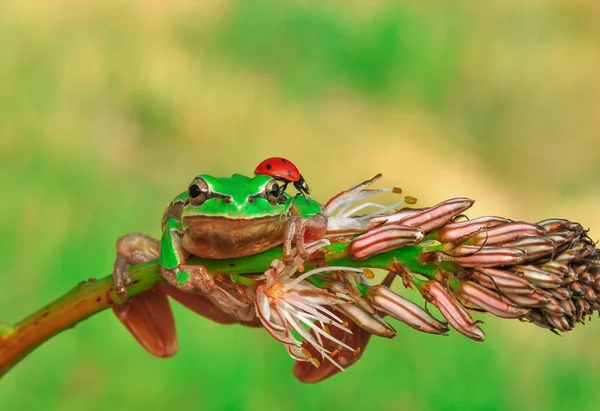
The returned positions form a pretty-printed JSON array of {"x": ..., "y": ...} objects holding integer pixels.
[
  {"x": 300, "y": 245},
  {"x": 288, "y": 259},
  {"x": 120, "y": 284},
  {"x": 121, "y": 276},
  {"x": 121, "y": 292}
]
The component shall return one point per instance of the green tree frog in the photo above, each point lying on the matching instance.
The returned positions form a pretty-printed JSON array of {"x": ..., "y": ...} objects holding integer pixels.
[{"x": 221, "y": 218}]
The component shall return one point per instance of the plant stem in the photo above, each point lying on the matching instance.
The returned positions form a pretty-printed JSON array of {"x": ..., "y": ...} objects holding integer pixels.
[
  {"x": 86, "y": 299},
  {"x": 92, "y": 296}
]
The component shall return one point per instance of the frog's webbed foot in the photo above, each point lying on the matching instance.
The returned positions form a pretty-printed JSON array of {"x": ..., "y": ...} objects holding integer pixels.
[
  {"x": 132, "y": 249},
  {"x": 295, "y": 232}
]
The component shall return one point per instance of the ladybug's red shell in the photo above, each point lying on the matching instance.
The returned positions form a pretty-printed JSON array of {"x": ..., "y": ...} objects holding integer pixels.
[
  {"x": 280, "y": 168},
  {"x": 283, "y": 170}
]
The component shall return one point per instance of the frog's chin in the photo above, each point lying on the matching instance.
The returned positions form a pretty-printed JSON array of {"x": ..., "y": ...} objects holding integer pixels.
[{"x": 222, "y": 237}]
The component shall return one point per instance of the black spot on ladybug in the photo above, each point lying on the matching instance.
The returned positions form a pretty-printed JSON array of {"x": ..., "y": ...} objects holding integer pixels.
[
  {"x": 269, "y": 166},
  {"x": 283, "y": 160},
  {"x": 289, "y": 172}
]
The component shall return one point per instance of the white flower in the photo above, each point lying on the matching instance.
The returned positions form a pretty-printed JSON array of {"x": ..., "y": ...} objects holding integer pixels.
[
  {"x": 341, "y": 209},
  {"x": 291, "y": 307},
  {"x": 287, "y": 305}
]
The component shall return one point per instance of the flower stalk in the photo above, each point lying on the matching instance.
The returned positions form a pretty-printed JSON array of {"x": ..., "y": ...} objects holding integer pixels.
[
  {"x": 324, "y": 310},
  {"x": 95, "y": 295}
]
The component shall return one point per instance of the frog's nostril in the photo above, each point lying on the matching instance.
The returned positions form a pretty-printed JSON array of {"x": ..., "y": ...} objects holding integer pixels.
[{"x": 229, "y": 199}]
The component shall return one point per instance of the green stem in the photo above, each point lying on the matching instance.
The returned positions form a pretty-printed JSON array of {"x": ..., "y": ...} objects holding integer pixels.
[{"x": 92, "y": 296}]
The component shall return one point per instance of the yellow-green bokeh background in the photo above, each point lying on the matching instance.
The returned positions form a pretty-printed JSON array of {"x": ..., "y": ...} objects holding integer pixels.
[{"x": 109, "y": 108}]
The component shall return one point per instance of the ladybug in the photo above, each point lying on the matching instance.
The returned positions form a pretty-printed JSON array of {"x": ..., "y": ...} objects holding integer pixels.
[{"x": 283, "y": 170}]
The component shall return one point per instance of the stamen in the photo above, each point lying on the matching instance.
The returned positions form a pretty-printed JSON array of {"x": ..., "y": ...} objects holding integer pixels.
[
  {"x": 316, "y": 271},
  {"x": 310, "y": 358},
  {"x": 328, "y": 336},
  {"x": 368, "y": 273},
  {"x": 300, "y": 330},
  {"x": 337, "y": 321}
]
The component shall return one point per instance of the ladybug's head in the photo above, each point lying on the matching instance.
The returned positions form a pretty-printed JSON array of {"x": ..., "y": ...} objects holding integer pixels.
[{"x": 301, "y": 186}]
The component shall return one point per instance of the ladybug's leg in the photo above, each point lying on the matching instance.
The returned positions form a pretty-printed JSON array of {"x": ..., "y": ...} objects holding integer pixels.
[
  {"x": 284, "y": 186},
  {"x": 301, "y": 193},
  {"x": 302, "y": 188}
]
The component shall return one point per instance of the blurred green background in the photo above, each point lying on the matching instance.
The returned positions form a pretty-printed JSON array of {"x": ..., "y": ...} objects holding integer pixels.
[{"x": 109, "y": 108}]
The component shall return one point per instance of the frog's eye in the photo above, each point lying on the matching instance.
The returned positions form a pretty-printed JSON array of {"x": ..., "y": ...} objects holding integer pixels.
[
  {"x": 273, "y": 191},
  {"x": 198, "y": 191}
]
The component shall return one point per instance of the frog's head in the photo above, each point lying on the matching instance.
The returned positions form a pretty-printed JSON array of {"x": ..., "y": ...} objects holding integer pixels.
[
  {"x": 240, "y": 198},
  {"x": 236, "y": 216}
]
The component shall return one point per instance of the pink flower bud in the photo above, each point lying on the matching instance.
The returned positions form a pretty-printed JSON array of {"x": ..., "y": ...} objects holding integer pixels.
[
  {"x": 489, "y": 300},
  {"x": 506, "y": 232},
  {"x": 404, "y": 310},
  {"x": 452, "y": 310},
  {"x": 382, "y": 239}
]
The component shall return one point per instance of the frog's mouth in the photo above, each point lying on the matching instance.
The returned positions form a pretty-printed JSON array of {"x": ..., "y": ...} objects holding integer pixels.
[{"x": 222, "y": 237}]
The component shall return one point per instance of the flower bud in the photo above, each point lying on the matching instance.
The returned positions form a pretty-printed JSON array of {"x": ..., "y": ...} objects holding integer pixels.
[
  {"x": 435, "y": 293},
  {"x": 506, "y": 232},
  {"x": 382, "y": 239},
  {"x": 536, "y": 299},
  {"x": 438, "y": 215},
  {"x": 553, "y": 307},
  {"x": 489, "y": 300},
  {"x": 404, "y": 310},
  {"x": 538, "y": 276},
  {"x": 458, "y": 232},
  {"x": 472, "y": 256},
  {"x": 553, "y": 225},
  {"x": 562, "y": 293},
  {"x": 534, "y": 247},
  {"x": 493, "y": 277},
  {"x": 559, "y": 322},
  {"x": 368, "y": 322}
]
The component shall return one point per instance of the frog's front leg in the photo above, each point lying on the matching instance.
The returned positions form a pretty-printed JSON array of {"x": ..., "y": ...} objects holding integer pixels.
[
  {"x": 300, "y": 230},
  {"x": 222, "y": 291},
  {"x": 132, "y": 249},
  {"x": 173, "y": 257}
]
